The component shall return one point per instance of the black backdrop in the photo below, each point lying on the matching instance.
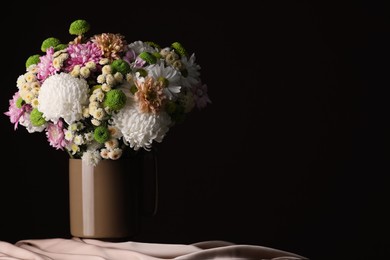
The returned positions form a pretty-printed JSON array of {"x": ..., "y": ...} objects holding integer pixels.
[{"x": 292, "y": 153}]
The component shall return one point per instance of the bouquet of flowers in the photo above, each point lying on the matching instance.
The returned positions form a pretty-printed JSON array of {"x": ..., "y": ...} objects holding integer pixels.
[{"x": 98, "y": 96}]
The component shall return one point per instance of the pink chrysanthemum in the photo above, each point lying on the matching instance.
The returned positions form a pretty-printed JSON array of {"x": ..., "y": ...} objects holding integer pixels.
[
  {"x": 80, "y": 54},
  {"x": 55, "y": 135},
  {"x": 45, "y": 66},
  {"x": 200, "y": 95},
  {"x": 15, "y": 113}
]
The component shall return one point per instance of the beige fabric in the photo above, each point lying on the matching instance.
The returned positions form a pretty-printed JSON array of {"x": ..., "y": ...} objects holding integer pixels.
[{"x": 91, "y": 249}]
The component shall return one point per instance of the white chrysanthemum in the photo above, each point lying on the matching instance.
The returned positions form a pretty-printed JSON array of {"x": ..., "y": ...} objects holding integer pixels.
[
  {"x": 91, "y": 157},
  {"x": 158, "y": 71},
  {"x": 141, "y": 129},
  {"x": 62, "y": 95},
  {"x": 193, "y": 74},
  {"x": 139, "y": 46}
]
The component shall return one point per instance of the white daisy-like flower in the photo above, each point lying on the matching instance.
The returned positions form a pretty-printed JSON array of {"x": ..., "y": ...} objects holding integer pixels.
[
  {"x": 30, "y": 77},
  {"x": 193, "y": 75},
  {"x": 91, "y": 157},
  {"x": 141, "y": 129},
  {"x": 78, "y": 139},
  {"x": 159, "y": 71},
  {"x": 80, "y": 126},
  {"x": 74, "y": 148},
  {"x": 139, "y": 46},
  {"x": 68, "y": 135},
  {"x": 29, "y": 97},
  {"x": 35, "y": 103},
  {"x": 88, "y": 137},
  {"x": 26, "y": 87},
  {"x": 73, "y": 127},
  {"x": 62, "y": 95}
]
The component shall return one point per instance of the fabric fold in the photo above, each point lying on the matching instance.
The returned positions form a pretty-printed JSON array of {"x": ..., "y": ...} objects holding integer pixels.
[{"x": 92, "y": 249}]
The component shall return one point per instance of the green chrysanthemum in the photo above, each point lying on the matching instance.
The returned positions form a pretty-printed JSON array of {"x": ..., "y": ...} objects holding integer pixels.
[
  {"x": 60, "y": 47},
  {"x": 33, "y": 59},
  {"x": 120, "y": 66},
  {"x": 148, "y": 57},
  {"x": 101, "y": 134},
  {"x": 79, "y": 27},
  {"x": 155, "y": 45},
  {"x": 115, "y": 99},
  {"x": 19, "y": 102},
  {"x": 179, "y": 49},
  {"x": 49, "y": 42},
  {"x": 36, "y": 118}
]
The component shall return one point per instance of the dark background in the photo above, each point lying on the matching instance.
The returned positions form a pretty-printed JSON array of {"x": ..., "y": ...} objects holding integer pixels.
[{"x": 292, "y": 153}]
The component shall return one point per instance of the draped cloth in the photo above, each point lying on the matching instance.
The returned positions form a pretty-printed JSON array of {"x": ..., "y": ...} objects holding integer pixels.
[{"x": 92, "y": 249}]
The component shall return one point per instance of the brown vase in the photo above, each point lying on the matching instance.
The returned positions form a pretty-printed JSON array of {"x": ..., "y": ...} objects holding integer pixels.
[{"x": 103, "y": 199}]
